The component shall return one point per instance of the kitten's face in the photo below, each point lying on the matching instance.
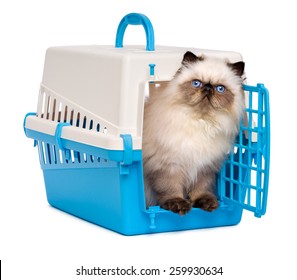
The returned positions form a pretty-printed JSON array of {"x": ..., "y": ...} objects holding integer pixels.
[{"x": 210, "y": 84}]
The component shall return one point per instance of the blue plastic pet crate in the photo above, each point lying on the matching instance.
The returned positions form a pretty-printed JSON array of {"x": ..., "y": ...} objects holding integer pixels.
[{"x": 88, "y": 129}]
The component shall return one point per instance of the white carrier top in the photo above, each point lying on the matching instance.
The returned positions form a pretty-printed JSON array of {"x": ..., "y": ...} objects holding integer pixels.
[{"x": 103, "y": 87}]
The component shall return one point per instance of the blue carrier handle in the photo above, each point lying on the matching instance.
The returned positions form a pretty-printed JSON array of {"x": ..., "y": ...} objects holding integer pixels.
[{"x": 136, "y": 19}]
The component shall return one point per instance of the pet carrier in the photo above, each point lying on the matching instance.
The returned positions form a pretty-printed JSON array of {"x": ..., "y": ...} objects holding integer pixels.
[{"x": 88, "y": 131}]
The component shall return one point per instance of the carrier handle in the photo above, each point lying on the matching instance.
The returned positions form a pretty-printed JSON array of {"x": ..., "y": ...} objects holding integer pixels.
[{"x": 136, "y": 19}]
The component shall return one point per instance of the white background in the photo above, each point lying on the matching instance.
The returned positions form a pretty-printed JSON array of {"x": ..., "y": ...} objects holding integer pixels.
[{"x": 39, "y": 242}]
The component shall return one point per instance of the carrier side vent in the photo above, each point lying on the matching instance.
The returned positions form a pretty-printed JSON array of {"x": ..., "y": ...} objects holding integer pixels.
[{"x": 54, "y": 107}]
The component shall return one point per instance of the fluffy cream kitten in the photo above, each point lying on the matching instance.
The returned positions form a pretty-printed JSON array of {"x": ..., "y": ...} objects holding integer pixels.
[{"x": 189, "y": 128}]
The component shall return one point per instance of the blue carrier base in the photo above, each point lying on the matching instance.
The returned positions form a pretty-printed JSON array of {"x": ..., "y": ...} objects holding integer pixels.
[{"x": 106, "y": 198}]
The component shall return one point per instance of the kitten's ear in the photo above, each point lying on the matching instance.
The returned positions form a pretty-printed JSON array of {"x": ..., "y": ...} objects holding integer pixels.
[
  {"x": 189, "y": 57},
  {"x": 237, "y": 67}
]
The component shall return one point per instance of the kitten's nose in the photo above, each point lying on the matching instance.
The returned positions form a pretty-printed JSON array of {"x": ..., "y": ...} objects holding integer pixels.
[{"x": 208, "y": 88}]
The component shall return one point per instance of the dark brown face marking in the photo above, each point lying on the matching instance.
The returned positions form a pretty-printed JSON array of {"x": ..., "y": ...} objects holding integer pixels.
[{"x": 206, "y": 97}]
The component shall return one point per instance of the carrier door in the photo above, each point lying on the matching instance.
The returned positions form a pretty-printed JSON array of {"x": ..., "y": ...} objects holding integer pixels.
[{"x": 243, "y": 179}]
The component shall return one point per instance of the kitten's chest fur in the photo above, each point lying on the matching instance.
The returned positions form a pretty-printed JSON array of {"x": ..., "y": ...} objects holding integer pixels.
[
  {"x": 202, "y": 141},
  {"x": 182, "y": 138}
]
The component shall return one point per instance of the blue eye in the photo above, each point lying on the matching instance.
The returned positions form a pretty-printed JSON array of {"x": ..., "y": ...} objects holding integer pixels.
[
  {"x": 196, "y": 83},
  {"x": 220, "y": 89}
]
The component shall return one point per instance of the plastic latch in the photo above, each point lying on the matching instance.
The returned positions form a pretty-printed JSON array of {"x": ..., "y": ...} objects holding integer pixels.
[
  {"x": 128, "y": 153},
  {"x": 58, "y": 135},
  {"x": 152, "y": 69},
  {"x": 152, "y": 72},
  {"x": 24, "y": 125},
  {"x": 153, "y": 210}
]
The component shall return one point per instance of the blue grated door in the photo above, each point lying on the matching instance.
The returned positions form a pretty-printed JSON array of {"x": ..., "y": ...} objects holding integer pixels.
[{"x": 243, "y": 179}]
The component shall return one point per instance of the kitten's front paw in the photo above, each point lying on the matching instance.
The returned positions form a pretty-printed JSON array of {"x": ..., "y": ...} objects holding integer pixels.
[
  {"x": 177, "y": 205},
  {"x": 207, "y": 202}
]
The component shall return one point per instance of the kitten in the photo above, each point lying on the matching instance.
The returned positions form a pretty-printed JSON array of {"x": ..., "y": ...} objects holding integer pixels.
[{"x": 189, "y": 128}]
